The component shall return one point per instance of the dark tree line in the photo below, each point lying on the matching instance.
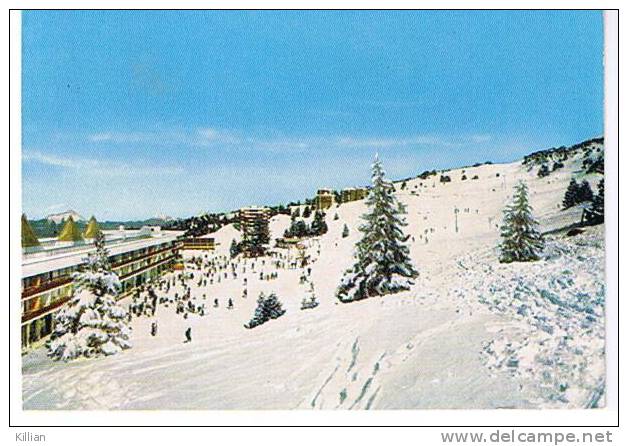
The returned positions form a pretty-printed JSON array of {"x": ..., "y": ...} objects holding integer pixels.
[
  {"x": 577, "y": 193},
  {"x": 299, "y": 228}
]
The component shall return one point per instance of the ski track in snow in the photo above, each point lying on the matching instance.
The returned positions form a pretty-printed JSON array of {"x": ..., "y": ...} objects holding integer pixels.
[{"x": 458, "y": 339}]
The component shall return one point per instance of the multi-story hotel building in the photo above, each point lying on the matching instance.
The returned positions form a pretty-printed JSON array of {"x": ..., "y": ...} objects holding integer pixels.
[
  {"x": 353, "y": 194},
  {"x": 324, "y": 199},
  {"x": 202, "y": 243},
  {"x": 254, "y": 226},
  {"x": 252, "y": 218},
  {"x": 136, "y": 256}
]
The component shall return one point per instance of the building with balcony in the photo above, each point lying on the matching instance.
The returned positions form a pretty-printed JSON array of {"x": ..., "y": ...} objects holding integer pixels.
[
  {"x": 138, "y": 257},
  {"x": 202, "y": 243},
  {"x": 255, "y": 231},
  {"x": 353, "y": 194},
  {"x": 324, "y": 199}
]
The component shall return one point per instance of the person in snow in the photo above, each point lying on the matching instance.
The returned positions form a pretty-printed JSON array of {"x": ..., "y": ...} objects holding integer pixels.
[
  {"x": 153, "y": 328},
  {"x": 188, "y": 335},
  {"x": 230, "y": 304}
]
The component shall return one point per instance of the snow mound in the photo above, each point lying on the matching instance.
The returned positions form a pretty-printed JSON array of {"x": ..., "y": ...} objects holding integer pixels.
[
  {"x": 277, "y": 226},
  {"x": 223, "y": 237},
  {"x": 554, "y": 342}
]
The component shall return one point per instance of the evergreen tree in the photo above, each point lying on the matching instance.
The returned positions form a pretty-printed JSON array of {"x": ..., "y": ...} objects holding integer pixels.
[
  {"x": 268, "y": 307},
  {"x": 298, "y": 228},
  {"x": 310, "y": 302},
  {"x": 255, "y": 241},
  {"x": 307, "y": 212},
  {"x": 319, "y": 226},
  {"x": 557, "y": 165},
  {"x": 29, "y": 239},
  {"x": 234, "y": 249},
  {"x": 297, "y": 212},
  {"x": 543, "y": 171},
  {"x": 345, "y": 231},
  {"x": 595, "y": 214},
  {"x": 51, "y": 229},
  {"x": 571, "y": 195},
  {"x": 521, "y": 242},
  {"x": 92, "y": 228},
  {"x": 92, "y": 323},
  {"x": 584, "y": 192},
  {"x": 382, "y": 264},
  {"x": 70, "y": 232}
]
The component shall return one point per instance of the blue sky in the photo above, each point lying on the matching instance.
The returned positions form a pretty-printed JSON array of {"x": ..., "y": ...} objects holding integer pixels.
[{"x": 132, "y": 114}]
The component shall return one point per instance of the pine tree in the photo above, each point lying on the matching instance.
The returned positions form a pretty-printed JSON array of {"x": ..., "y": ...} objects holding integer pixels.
[
  {"x": 268, "y": 307},
  {"x": 595, "y": 214},
  {"x": 307, "y": 212},
  {"x": 571, "y": 195},
  {"x": 543, "y": 171},
  {"x": 382, "y": 264},
  {"x": 92, "y": 228},
  {"x": 70, "y": 232},
  {"x": 92, "y": 323},
  {"x": 309, "y": 302},
  {"x": 319, "y": 226},
  {"x": 521, "y": 242},
  {"x": 584, "y": 192},
  {"x": 345, "y": 231},
  {"x": 234, "y": 249},
  {"x": 29, "y": 239}
]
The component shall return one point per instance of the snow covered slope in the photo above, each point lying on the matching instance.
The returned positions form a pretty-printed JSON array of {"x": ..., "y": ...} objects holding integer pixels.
[{"x": 471, "y": 333}]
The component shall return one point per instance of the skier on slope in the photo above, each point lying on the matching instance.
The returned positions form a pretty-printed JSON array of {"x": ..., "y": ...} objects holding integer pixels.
[{"x": 188, "y": 335}]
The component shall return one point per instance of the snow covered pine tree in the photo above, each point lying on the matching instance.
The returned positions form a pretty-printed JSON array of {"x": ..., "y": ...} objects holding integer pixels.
[
  {"x": 267, "y": 308},
  {"x": 383, "y": 263},
  {"x": 91, "y": 324},
  {"x": 521, "y": 242}
]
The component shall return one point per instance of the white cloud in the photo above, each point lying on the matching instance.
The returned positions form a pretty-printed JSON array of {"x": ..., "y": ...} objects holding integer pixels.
[
  {"x": 99, "y": 167},
  {"x": 213, "y": 137},
  {"x": 50, "y": 160},
  {"x": 395, "y": 142}
]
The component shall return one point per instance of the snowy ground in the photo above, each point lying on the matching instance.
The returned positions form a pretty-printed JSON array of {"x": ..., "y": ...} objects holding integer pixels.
[{"x": 472, "y": 333}]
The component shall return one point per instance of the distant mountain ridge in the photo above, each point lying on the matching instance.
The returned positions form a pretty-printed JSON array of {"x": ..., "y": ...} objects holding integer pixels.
[{"x": 62, "y": 216}]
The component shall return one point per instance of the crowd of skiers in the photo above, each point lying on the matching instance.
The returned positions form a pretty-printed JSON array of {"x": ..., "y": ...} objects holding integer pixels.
[{"x": 206, "y": 270}]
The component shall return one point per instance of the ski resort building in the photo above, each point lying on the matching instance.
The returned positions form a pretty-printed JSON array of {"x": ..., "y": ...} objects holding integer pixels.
[
  {"x": 251, "y": 218},
  {"x": 324, "y": 199},
  {"x": 254, "y": 226},
  {"x": 353, "y": 194},
  {"x": 202, "y": 243},
  {"x": 137, "y": 256}
]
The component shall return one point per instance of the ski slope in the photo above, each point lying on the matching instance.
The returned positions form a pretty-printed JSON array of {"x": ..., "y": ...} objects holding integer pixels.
[{"x": 455, "y": 340}]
